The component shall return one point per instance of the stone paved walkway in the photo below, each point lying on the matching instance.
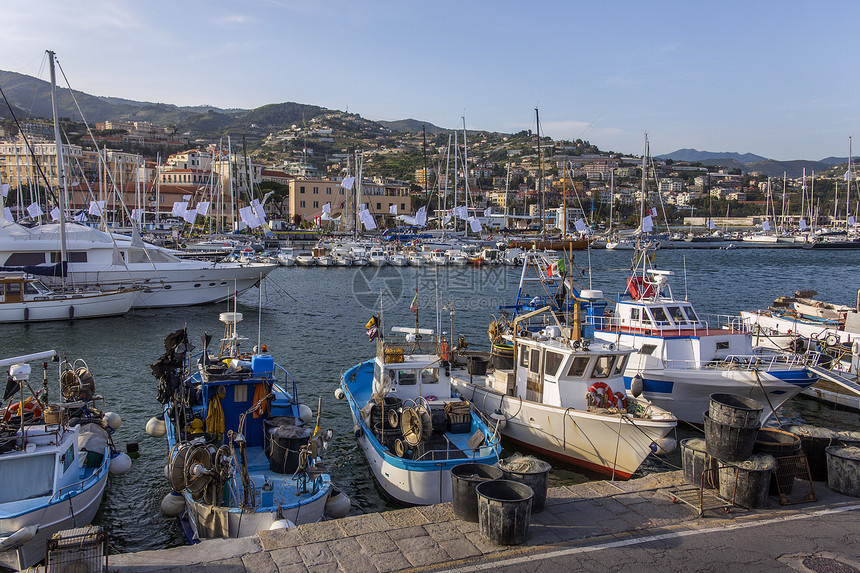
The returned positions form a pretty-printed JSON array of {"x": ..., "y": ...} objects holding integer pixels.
[{"x": 427, "y": 538}]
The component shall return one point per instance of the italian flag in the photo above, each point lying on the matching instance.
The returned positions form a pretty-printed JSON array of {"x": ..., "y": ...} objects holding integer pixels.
[{"x": 556, "y": 269}]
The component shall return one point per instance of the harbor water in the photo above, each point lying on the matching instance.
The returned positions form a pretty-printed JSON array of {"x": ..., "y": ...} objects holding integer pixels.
[{"x": 312, "y": 320}]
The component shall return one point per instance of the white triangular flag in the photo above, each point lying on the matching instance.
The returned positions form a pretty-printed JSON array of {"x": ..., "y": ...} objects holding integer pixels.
[
  {"x": 849, "y": 176},
  {"x": 34, "y": 210},
  {"x": 653, "y": 211},
  {"x": 186, "y": 197},
  {"x": 97, "y": 208},
  {"x": 136, "y": 214},
  {"x": 55, "y": 214},
  {"x": 249, "y": 217},
  {"x": 851, "y": 220},
  {"x": 4, "y": 189},
  {"x": 347, "y": 182},
  {"x": 421, "y": 217},
  {"x": 392, "y": 210},
  {"x": 190, "y": 215},
  {"x": 327, "y": 208},
  {"x": 474, "y": 224},
  {"x": 8, "y": 214},
  {"x": 80, "y": 217},
  {"x": 711, "y": 225},
  {"x": 179, "y": 208},
  {"x": 488, "y": 211},
  {"x": 580, "y": 225},
  {"x": 765, "y": 226},
  {"x": 803, "y": 224},
  {"x": 202, "y": 208},
  {"x": 367, "y": 220},
  {"x": 647, "y": 224},
  {"x": 259, "y": 211}
]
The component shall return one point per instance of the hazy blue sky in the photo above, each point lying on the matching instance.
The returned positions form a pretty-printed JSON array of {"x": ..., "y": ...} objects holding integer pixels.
[{"x": 775, "y": 78}]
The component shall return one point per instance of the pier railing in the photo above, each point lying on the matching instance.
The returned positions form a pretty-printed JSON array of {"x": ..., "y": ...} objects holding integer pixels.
[{"x": 763, "y": 362}]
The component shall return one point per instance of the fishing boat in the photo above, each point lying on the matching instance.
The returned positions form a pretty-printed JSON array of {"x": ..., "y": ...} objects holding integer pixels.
[
  {"x": 682, "y": 359},
  {"x": 26, "y": 299},
  {"x": 410, "y": 426},
  {"x": 799, "y": 325},
  {"x": 245, "y": 455},
  {"x": 559, "y": 394},
  {"x": 55, "y": 457}
]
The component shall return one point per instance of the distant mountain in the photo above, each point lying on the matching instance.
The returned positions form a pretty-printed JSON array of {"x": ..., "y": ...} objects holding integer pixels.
[
  {"x": 411, "y": 126},
  {"x": 694, "y": 155},
  {"x": 834, "y": 160}
]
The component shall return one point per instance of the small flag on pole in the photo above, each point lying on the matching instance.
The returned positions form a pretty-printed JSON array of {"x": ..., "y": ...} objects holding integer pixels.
[
  {"x": 392, "y": 210},
  {"x": 414, "y": 306}
]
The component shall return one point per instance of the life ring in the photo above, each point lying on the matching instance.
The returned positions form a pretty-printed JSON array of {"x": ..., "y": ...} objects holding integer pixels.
[
  {"x": 603, "y": 393},
  {"x": 30, "y": 406},
  {"x": 620, "y": 400}
]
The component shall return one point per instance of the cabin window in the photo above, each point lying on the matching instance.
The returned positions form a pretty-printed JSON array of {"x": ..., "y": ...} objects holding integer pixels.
[
  {"x": 722, "y": 345},
  {"x": 71, "y": 257},
  {"x": 648, "y": 349},
  {"x": 660, "y": 315},
  {"x": 691, "y": 314},
  {"x": 620, "y": 364},
  {"x": 407, "y": 378},
  {"x": 30, "y": 289},
  {"x": 13, "y": 288},
  {"x": 430, "y": 376},
  {"x": 603, "y": 367},
  {"x": 534, "y": 361},
  {"x": 677, "y": 315},
  {"x": 578, "y": 366},
  {"x": 24, "y": 259},
  {"x": 552, "y": 364},
  {"x": 634, "y": 314},
  {"x": 524, "y": 357}
]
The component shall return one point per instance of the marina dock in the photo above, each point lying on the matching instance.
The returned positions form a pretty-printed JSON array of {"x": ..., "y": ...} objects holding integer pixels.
[{"x": 600, "y": 526}]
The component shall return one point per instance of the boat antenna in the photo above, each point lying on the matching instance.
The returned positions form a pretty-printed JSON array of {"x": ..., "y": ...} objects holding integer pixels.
[
  {"x": 685, "y": 278},
  {"x": 260, "y": 314}
]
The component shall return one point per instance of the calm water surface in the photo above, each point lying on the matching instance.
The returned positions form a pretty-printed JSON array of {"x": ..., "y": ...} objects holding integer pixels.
[{"x": 312, "y": 321}]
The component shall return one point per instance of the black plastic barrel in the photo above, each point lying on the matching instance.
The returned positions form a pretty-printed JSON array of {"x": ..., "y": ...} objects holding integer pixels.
[
  {"x": 749, "y": 485},
  {"x": 734, "y": 410},
  {"x": 728, "y": 443},
  {"x": 536, "y": 478},
  {"x": 478, "y": 365},
  {"x": 814, "y": 440},
  {"x": 377, "y": 412},
  {"x": 464, "y": 479},
  {"x": 504, "y": 511},
  {"x": 695, "y": 461},
  {"x": 776, "y": 443},
  {"x": 387, "y": 435},
  {"x": 502, "y": 356},
  {"x": 282, "y": 445},
  {"x": 843, "y": 470}
]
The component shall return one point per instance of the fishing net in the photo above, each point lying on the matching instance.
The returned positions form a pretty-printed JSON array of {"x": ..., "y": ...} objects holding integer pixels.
[
  {"x": 519, "y": 463},
  {"x": 813, "y": 432},
  {"x": 757, "y": 462}
]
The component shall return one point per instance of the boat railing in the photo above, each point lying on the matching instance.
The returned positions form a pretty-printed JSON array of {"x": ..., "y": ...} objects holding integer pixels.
[
  {"x": 289, "y": 381},
  {"x": 79, "y": 485},
  {"x": 439, "y": 455},
  {"x": 709, "y": 322},
  {"x": 762, "y": 362},
  {"x": 427, "y": 344}
]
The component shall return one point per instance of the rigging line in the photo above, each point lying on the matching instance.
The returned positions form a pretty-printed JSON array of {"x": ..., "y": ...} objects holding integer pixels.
[{"x": 29, "y": 147}]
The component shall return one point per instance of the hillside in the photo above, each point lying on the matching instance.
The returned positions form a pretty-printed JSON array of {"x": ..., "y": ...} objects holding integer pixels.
[
  {"x": 412, "y": 126},
  {"x": 695, "y": 156}
]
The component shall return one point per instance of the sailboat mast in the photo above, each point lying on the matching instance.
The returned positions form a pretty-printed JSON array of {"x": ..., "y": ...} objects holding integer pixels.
[
  {"x": 848, "y": 177},
  {"x": 465, "y": 177},
  {"x": 61, "y": 169},
  {"x": 540, "y": 176}
]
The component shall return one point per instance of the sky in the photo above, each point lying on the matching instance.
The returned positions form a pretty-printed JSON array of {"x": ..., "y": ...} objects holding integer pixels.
[{"x": 774, "y": 78}]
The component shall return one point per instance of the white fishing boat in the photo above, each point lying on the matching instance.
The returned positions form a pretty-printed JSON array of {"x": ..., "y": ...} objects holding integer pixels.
[
  {"x": 25, "y": 299},
  {"x": 244, "y": 452},
  {"x": 377, "y": 257},
  {"x": 415, "y": 260},
  {"x": 409, "y": 425},
  {"x": 682, "y": 359},
  {"x": 306, "y": 260},
  {"x": 342, "y": 261},
  {"x": 438, "y": 258},
  {"x": 397, "y": 260},
  {"x": 55, "y": 457},
  {"x": 554, "y": 393},
  {"x": 286, "y": 257}
]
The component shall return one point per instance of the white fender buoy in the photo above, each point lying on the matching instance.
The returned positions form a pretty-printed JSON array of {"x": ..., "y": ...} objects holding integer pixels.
[
  {"x": 357, "y": 431},
  {"x": 172, "y": 504},
  {"x": 167, "y": 472},
  {"x": 112, "y": 420},
  {"x": 305, "y": 413},
  {"x": 500, "y": 419},
  {"x": 637, "y": 385},
  {"x": 155, "y": 427},
  {"x": 337, "y": 505},
  {"x": 20, "y": 537},
  {"x": 120, "y": 463},
  {"x": 338, "y": 393},
  {"x": 281, "y": 524},
  {"x": 666, "y": 445}
]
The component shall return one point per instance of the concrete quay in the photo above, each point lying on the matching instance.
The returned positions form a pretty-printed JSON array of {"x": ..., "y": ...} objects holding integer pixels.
[{"x": 595, "y": 526}]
